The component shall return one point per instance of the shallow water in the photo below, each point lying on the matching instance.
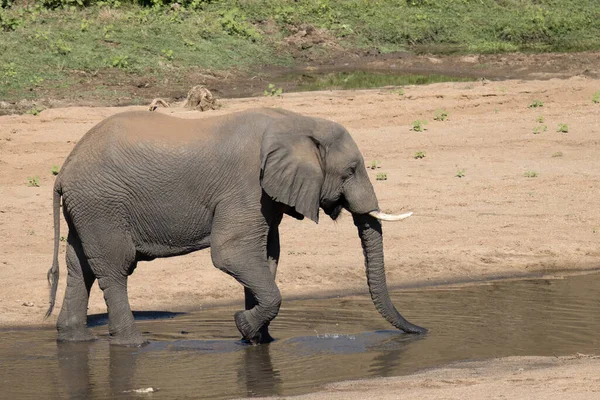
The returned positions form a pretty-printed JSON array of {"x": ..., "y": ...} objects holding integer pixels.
[{"x": 198, "y": 355}]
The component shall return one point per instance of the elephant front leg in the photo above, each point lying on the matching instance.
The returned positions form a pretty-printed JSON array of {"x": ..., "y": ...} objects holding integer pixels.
[
  {"x": 72, "y": 320},
  {"x": 273, "y": 252},
  {"x": 253, "y": 323},
  {"x": 252, "y": 271}
]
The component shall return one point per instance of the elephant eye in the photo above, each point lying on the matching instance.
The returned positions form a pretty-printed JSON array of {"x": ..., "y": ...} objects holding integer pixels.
[{"x": 350, "y": 171}]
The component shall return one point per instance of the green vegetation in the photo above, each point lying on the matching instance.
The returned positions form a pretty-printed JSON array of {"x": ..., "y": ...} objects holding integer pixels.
[
  {"x": 460, "y": 173},
  {"x": 557, "y": 154},
  {"x": 272, "y": 91},
  {"x": 536, "y": 104},
  {"x": 530, "y": 174},
  {"x": 56, "y": 47},
  {"x": 596, "y": 97},
  {"x": 55, "y": 170},
  {"x": 539, "y": 129},
  {"x": 33, "y": 181},
  {"x": 35, "y": 110},
  {"x": 371, "y": 80},
  {"x": 563, "y": 128},
  {"x": 381, "y": 176},
  {"x": 419, "y": 154},
  {"x": 419, "y": 126},
  {"x": 375, "y": 164},
  {"x": 441, "y": 115},
  {"x": 540, "y": 119}
]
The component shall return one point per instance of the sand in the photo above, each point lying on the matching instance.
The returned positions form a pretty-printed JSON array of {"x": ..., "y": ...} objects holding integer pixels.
[{"x": 492, "y": 221}]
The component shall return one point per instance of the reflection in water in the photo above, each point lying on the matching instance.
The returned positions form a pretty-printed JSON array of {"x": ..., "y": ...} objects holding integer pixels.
[
  {"x": 73, "y": 362},
  {"x": 257, "y": 373},
  {"x": 199, "y": 355}
]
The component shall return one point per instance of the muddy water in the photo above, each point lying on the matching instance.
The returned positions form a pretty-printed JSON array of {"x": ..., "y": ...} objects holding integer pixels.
[{"x": 199, "y": 355}]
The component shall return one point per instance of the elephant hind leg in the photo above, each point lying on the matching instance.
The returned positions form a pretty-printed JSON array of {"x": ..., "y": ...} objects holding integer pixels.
[
  {"x": 72, "y": 320},
  {"x": 113, "y": 259}
]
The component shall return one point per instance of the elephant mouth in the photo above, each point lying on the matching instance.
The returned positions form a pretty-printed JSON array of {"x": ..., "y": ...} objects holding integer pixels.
[{"x": 334, "y": 209}]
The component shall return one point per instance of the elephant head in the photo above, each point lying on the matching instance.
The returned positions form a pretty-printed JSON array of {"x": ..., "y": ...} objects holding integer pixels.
[{"x": 310, "y": 163}]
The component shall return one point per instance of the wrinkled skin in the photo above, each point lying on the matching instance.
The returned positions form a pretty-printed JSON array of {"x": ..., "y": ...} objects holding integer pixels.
[{"x": 140, "y": 186}]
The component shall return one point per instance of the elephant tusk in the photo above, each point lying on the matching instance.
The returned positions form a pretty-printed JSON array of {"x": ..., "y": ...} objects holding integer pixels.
[{"x": 389, "y": 217}]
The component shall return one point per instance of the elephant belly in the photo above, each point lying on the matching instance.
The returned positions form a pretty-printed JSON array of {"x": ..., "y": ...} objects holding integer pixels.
[{"x": 171, "y": 234}]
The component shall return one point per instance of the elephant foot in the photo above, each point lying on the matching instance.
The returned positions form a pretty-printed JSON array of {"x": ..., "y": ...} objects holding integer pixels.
[
  {"x": 250, "y": 334},
  {"x": 128, "y": 341},
  {"x": 130, "y": 338},
  {"x": 76, "y": 335}
]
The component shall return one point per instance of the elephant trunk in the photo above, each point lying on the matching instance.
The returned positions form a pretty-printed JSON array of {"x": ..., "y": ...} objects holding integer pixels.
[{"x": 369, "y": 230}]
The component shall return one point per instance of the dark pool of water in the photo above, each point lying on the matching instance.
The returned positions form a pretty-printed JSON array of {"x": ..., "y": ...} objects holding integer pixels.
[{"x": 199, "y": 356}]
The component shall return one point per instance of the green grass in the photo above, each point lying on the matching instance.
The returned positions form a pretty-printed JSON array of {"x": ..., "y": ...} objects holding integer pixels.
[
  {"x": 536, "y": 104},
  {"x": 530, "y": 174},
  {"x": 48, "y": 47},
  {"x": 371, "y": 80},
  {"x": 441, "y": 115},
  {"x": 419, "y": 126},
  {"x": 374, "y": 164},
  {"x": 33, "y": 181}
]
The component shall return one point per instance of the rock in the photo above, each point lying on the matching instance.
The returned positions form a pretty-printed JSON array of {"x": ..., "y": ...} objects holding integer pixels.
[{"x": 200, "y": 98}]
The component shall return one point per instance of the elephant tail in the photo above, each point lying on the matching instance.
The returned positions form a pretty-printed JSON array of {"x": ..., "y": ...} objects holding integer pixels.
[{"x": 53, "y": 272}]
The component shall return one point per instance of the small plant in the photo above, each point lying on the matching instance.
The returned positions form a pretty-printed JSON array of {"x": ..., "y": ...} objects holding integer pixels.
[
  {"x": 460, "y": 173},
  {"x": 33, "y": 181},
  {"x": 540, "y": 119},
  {"x": 35, "y": 111},
  {"x": 375, "y": 164},
  {"x": 167, "y": 53},
  {"x": 419, "y": 126},
  {"x": 381, "y": 176},
  {"x": 401, "y": 92},
  {"x": 84, "y": 25},
  {"x": 530, "y": 174},
  {"x": 35, "y": 80},
  {"x": 419, "y": 155},
  {"x": 557, "y": 154},
  {"x": 539, "y": 129},
  {"x": 55, "y": 169},
  {"x": 596, "y": 97},
  {"x": 121, "y": 62},
  {"x": 188, "y": 43},
  {"x": 63, "y": 239},
  {"x": 272, "y": 91},
  {"x": 31, "y": 232},
  {"x": 108, "y": 30},
  {"x": 563, "y": 128},
  {"x": 441, "y": 115},
  {"x": 536, "y": 104}
]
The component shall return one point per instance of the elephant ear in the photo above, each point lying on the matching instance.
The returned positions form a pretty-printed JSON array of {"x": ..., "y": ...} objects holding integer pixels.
[{"x": 292, "y": 169}]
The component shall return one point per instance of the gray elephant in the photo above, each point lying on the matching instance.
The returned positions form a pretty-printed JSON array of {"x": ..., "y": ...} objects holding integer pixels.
[{"x": 140, "y": 186}]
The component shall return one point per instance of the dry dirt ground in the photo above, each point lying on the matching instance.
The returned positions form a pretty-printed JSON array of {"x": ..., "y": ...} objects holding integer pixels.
[{"x": 492, "y": 221}]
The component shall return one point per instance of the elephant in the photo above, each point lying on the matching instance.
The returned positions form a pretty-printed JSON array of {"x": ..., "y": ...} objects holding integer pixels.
[{"x": 140, "y": 186}]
